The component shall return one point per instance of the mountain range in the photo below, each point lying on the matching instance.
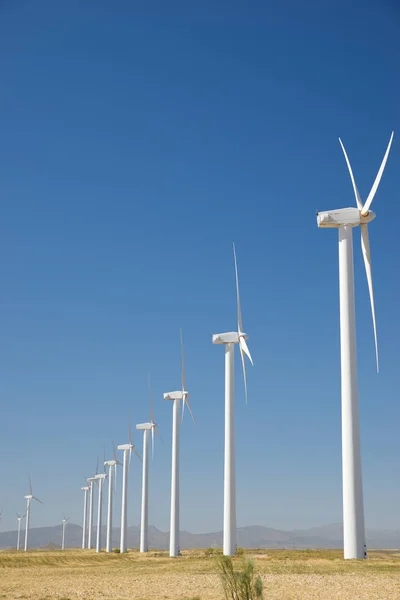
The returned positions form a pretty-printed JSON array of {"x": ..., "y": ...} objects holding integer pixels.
[{"x": 327, "y": 536}]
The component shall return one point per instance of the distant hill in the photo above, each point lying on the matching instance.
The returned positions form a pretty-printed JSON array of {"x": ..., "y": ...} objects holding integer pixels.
[{"x": 326, "y": 536}]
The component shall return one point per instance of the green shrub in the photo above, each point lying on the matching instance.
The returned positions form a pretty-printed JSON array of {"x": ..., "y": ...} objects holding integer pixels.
[
  {"x": 239, "y": 552},
  {"x": 116, "y": 550},
  {"x": 241, "y": 584}
]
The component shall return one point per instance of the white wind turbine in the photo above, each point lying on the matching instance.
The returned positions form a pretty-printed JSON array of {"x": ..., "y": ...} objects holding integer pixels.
[
  {"x": 29, "y": 499},
  {"x": 176, "y": 397},
  {"x": 100, "y": 477},
  {"x": 64, "y": 524},
  {"x": 229, "y": 340},
  {"x": 90, "y": 481},
  {"x": 146, "y": 427},
  {"x": 344, "y": 220},
  {"x": 111, "y": 464},
  {"x": 84, "y": 526},
  {"x": 125, "y": 467},
  {"x": 19, "y": 519}
]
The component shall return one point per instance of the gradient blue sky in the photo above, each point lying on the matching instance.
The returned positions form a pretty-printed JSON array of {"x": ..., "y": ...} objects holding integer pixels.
[{"x": 138, "y": 140}]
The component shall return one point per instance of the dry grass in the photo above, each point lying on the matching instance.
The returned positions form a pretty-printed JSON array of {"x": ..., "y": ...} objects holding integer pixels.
[{"x": 287, "y": 575}]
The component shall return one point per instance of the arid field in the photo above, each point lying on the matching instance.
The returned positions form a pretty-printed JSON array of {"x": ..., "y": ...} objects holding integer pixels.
[{"x": 294, "y": 575}]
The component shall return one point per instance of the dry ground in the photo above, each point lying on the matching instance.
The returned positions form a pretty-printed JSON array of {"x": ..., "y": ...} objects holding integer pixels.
[{"x": 287, "y": 575}]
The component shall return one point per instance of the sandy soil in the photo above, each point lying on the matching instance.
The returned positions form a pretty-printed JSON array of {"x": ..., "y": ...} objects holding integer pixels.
[{"x": 72, "y": 575}]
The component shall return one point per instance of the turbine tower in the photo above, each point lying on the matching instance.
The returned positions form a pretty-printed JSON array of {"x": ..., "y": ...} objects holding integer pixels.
[
  {"x": 176, "y": 397},
  {"x": 29, "y": 499},
  {"x": 125, "y": 467},
  {"x": 229, "y": 340},
  {"x": 19, "y": 519},
  {"x": 111, "y": 464},
  {"x": 84, "y": 526},
  {"x": 100, "y": 477},
  {"x": 90, "y": 481},
  {"x": 344, "y": 220},
  {"x": 146, "y": 427},
  {"x": 64, "y": 524}
]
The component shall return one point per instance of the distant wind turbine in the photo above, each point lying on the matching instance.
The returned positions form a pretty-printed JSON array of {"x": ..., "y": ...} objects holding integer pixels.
[
  {"x": 344, "y": 220},
  {"x": 84, "y": 526},
  {"x": 100, "y": 477},
  {"x": 64, "y": 524},
  {"x": 90, "y": 481},
  {"x": 29, "y": 499},
  {"x": 19, "y": 519},
  {"x": 176, "y": 397},
  {"x": 229, "y": 340},
  {"x": 146, "y": 427},
  {"x": 124, "y": 509},
  {"x": 111, "y": 464}
]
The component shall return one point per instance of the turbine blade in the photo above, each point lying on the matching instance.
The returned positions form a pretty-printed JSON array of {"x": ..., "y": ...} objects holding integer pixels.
[
  {"x": 377, "y": 181},
  {"x": 244, "y": 367},
  {"x": 186, "y": 401},
  {"x": 183, "y": 365},
  {"x": 115, "y": 454},
  {"x": 37, "y": 499},
  {"x": 151, "y": 402},
  {"x": 367, "y": 262},
  {"x": 63, "y": 516},
  {"x": 158, "y": 433},
  {"x": 243, "y": 345},
  {"x": 239, "y": 312},
  {"x": 183, "y": 409},
  {"x": 30, "y": 486},
  {"x": 115, "y": 476},
  {"x": 137, "y": 454},
  {"x": 357, "y": 195},
  {"x": 130, "y": 430},
  {"x": 97, "y": 466}
]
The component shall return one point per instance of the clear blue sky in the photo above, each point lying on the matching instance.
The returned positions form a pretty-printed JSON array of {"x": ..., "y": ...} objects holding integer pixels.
[{"x": 137, "y": 141}]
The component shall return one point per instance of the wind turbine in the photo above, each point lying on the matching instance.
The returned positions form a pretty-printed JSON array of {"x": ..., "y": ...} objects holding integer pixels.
[
  {"x": 124, "y": 510},
  {"x": 344, "y": 220},
  {"x": 146, "y": 427},
  {"x": 111, "y": 464},
  {"x": 176, "y": 397},
  {"x": 64, "y": 524},
  {"x": 229, "y": 340},
  {"x": 84, "y": 526},
  {"x": 29, "y": 499},
  {"x": 19, "y": 519},
  {"x": 100, "y": 477},
  {"x": 90, "y": 481}
]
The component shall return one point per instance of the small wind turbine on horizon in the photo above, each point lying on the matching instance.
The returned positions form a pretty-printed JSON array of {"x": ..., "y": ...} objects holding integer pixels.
[
  {"x": 345, "y": 220},
  {"x": 19, "y": 519},
  {"x": 64, "y": 524},
  {"x": 229, "y": 340},
  {"x": 125, "y": 467},
  {"x": 29, "y": 499},
  {"x": 84, "y": 489},
  {"x": 146, "y": 427},
  {"x": 176, "y": 397},
  {"x": 111, "y": 464}
]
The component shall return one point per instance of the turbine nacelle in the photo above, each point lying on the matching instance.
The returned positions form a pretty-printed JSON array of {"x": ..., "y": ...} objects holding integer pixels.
[
  {"x": 231, "y": 337},
  {"x": 344, "y": 216},
  {"x": 110, "y": 463},
  {"x": 145, "y": 426},
  {"x": 125, "y": 447},
  {"x": 85, "y": 489},
  {"x": 180, "y": 395},
  {"x": 101, "y": 476}
]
